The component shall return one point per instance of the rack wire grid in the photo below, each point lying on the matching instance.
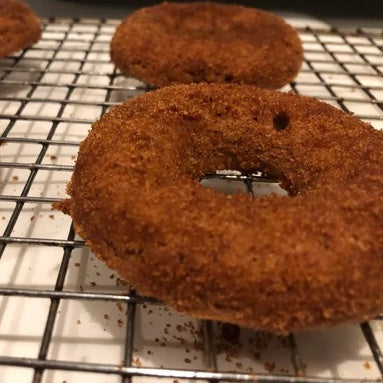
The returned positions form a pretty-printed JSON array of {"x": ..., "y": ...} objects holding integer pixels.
[{"x": 64, "y": 317}]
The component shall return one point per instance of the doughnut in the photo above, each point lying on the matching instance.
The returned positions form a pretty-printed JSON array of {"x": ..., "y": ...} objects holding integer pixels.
[
  {"x": 19, "y": 27},
  {"x": 305, "y": 260},
  {"x": 175, "y": 43}
]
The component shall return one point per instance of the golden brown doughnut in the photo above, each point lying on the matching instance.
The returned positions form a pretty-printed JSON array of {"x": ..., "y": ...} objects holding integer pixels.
[
  {"x": 313, "y": 258},
  {"x": 19, "y": 27},
  {"x": 207, "y": 42}
]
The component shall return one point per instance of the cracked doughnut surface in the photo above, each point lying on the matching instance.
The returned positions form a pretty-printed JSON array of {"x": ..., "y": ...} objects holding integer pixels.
[
  {"x": 280, "y": 263},
  {"x": 19, "y": 27},
  {"x": 207, "y": 42}
]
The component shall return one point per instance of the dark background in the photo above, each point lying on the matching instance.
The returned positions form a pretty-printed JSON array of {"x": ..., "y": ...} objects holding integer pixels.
[{"x": 352, "y": 13}]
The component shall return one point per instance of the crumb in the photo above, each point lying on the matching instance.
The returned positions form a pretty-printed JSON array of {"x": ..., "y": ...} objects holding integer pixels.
[
  {"x": 144, "y": 306},
  {"x": 119, "y": 306},
  {"x": 93, "y": 284},
  {"x": 137, "y": 362},
  {"x": 150, "y": 312},
  {"x": 53, "y": 158},
  {"x": 78, "y": 321},
  {"x": 187, "y": 360},
  {"x": 269, "y": 367},
  {"x": 120, "y": 322},
  {"x": 15, "y": 178},
  {"x": 175, "y": 380},
  {"x": 239, "y": 365},
  {"x": 51, "y": 216},
  {"x": 367, "y": 365},
  {"x": 97, "y": 273},
  {"x": 150, "y": 352},
  {"x": 106, "y": 317},
  {"x": 77, "y": 264},
  {"x": 111, "y": 276},
  {"x": 32, "y": 218},
  {"x": 3, "y": 218},
  {"x": 81, "y": 288}
]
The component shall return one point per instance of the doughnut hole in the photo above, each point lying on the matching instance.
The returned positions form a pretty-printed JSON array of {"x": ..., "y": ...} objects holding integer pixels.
[
  {"x": 281, "y": 121},
  {"x": 229, "y": 182}
]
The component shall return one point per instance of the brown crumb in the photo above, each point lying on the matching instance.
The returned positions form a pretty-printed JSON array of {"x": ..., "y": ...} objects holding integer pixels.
[
  {"x": 239, "y": 365},
  {"x": 3, "y": 217},
  {"x": 97, "y": 273},
  {"x": 78, "y": 321},
  {"x": 119, "y": 306},
  {"x": 53, "y": 158},
  {"x": 137, "y": 362},
  {"x": 150, "y": 352},
  {"x": 367, "y": 365},
  {"x": 175, "y": 380},
  {"x": 93, "y": 284},
  {"x": 187, "y": 360},
  {"x": 51, "y": 216},
  {"x": 15, "y": 178},
  {"x": 120, "y": 322},
  {"x": 32, "y": 218},
  {"x": 269, "y": 367},
  {"x": 77, "y": 264},
  {"x": 111, "y": 276},
  {"x": 106, "y": 317}
]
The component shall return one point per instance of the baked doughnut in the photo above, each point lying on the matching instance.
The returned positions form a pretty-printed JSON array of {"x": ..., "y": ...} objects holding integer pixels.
[
  {"x": 207, "y": 42},
  {"x": 19, "y": 27},
  {"x": 313, "y": 258}
]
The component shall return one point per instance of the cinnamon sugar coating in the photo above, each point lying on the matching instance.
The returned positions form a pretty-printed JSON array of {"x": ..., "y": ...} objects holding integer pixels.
[
  {"x": 207, "y": 42},
  {"x": 280, "y": 263},
  {"x": 19, "y": 27}
]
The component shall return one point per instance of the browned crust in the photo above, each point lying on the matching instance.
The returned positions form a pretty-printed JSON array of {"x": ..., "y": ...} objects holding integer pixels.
[
  {"x": 207, "y": 42},
  {"x": 19, "y": 27},
  {"x": 274, "y": 263}
]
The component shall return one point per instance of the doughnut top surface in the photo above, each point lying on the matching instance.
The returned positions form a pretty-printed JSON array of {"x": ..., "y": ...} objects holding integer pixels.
[
  {"x": 207, "y": 42},
  {"x": 19, "y": 27},
  {"x": 280, "y": 263}
]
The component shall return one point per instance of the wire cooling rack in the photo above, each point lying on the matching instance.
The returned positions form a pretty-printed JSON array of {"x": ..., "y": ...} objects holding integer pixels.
[{"x": 64, "y": 317}]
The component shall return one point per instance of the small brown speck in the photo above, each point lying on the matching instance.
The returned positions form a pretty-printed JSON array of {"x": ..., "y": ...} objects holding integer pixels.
[
  {"x": 187, "y": 360},
  {"x": 78, "y": 321},
  {"x": 97, "y": 273},
  {"x": 93, "y": 284},
  {"x": 239, "y": 365},
  {"x": 53, "y": 158},
  {"x": 32, "y": 218},
  {"x": 51, "y": 216},
  {"x": 175, "y": 380},
  {"x": 137, "y": 362},
  {"x": 367, "y": 365},
  {"x": 150, "y": 312},
  {"x": 15, "y": 178},
  {"x": 150, "y": 352},
  {"x": 111, "y": 276},
  {"x": 77, "y": 264},
  {"x": 119, "y": 306},
  {"x": 120, "y": 322},
  {"x": 269, "y": 367},
  {"x": 3, "y": 218},
  {"x": 106, "y": 317}
]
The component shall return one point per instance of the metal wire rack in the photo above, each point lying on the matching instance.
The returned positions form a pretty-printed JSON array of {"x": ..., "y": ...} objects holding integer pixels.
[{"x": 61, "y": 320}]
